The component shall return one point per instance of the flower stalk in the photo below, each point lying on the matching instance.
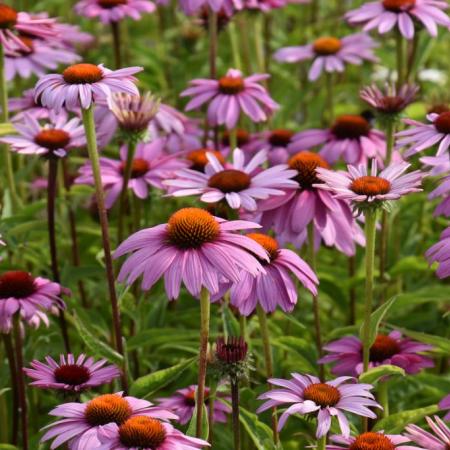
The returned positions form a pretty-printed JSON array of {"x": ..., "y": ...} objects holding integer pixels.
[
  {"x": 235, "y": 414},
  {"x": 383, "y": 398},
  {"x": 322, "y": 443},
  {"x": 115, "y": 30}
]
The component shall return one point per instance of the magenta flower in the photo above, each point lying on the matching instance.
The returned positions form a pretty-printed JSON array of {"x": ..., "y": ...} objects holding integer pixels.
[
  {"x": 191, "y": 7},
  {"x": 312, "y": 398},
  {"x": 422, "y": 136},
  {"x": 405, "y": 14},
  {"x": 444, "y": 405},
  {"x": 275, "y": 287},
  {"x": 195, "y": 248},
  {"x": 249, "y": 143},
  {"x": 371, "y": 440},
  {"x": 146, "y": 433},
  {"x": 114, "y": 10},
  {"x": 82, "y": 84},
  {"x": 150, "y": 167},
  {"x": 440, "y": 253},
  {"x": 393, "y": 349},
  {"x": 72, "y": 375},
  {"x": 53, "y": 139},
  {"x": 275, "y": 142},
  {"x": 330, "y": 54},
  {"x": 289, "y": 215},
  {"x": 440, "y": 165},
  {"x": 13, "y": 24},
  {"x": 182, "y": 403},
  {"x": 229, "y": 96},
  {"x": 351, "y": 138},
  {"x": 440, "y": 440},
  {"x": 81, "y": 422},
  {"x": 357, "y": 186},
  {"x": 22, "y": 293},
  {"x": 239, "y": 184}
]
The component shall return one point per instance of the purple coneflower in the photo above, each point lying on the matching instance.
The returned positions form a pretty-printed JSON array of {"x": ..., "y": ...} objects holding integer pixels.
[
  {"x": 54, "y": 138},
  {"x": 70, "y": 374},
  {"x": 80, "y": 423},
  {"x": 405, "y": 14},
  {"x": 312, "y": 398},
  {"x": 351, "y": 137},
  {"x": 22, "y": 293},
  {"x": 440, "y": 165},
  {"x": 440, "y": 440},
  {"x": 198, "y": 158},
  {"x": 246, "y": 141},
  {"x": 146, "y": 433},
  {"x": 239, "y": 184},
  {"x": 421, "y": 136},
  {"x": 330, "y": 54},
  {"x": 182, "y": 403},
  {"x": 113, "y": 10},
  {"x": 371, "y": 441},
  {"x": 444, "y": 405},
  {"x": 195, "y": 248},
  {"x": 440, "y": 253},
  {"x": 358, "y": 187},
  {"x": 229, "y": 96},
  {"x": 392, "y": 348},
  {"x": 81, "y": 84},
  {"x": 290, "y": 215},
  {"x": 275, "y": 142},
  {"x": 275, "y": 287}
]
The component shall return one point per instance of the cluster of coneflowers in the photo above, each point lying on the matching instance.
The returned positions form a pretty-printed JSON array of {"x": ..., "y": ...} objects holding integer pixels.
[{"x": 258, "y": 194}]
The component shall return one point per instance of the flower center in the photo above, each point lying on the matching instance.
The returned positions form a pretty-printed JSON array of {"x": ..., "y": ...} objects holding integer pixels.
[
  {"x": 199, "y": 160},
  {"x": 281, "y": 138},
  {"x": 269, "y": 244},
  {"x": 442, "y": 123},
  {"x": 306, "y": 163},
  {"x": 398, "y": 5},
  {"x": 369, "y": 185},
  {"x": 393, "y": 104},
  {"x": 8, "y": 17},
  {"x": 322, "y": 394},
  {"x": 82, "y": 74},
  {"x": 231, "y": 85},
  {"x": 142, "y": 432},
  {"x": 72, "y": 374},
  {"x": 230, "y": 180},
  {"x": 372, "y": 441},
  {"x": 242, "y": 137},
  {"x": 327, "y": 45},
  {"x": 350, "y": 127},
  {"x": 16, "y": 284},
  {"x": 139, "y": 167},
  {"x": 192, "y": 227},
  {"x": 383, "y": 348},
  {"x": 29, "y": 44},
  {"x": 108, "y": 4},
  {"x": 52, "y": 139},
  {"x": 106, "y": 409}
]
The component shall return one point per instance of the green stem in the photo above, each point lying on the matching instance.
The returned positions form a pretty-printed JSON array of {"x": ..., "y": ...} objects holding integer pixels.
[
  {"x": 91, "y": 141},
  {"x": 235, "y": 414},
  {"x": 7, "y": 157},
  {"x": 12, "y": 365},
  {"x": 322, "y": 443},
  {"x": 383, "y": 398},
  {"x": 233, "y": 139},
  {"x": 259, "y": 43},
  {"x": 400, "y": 59},
  {"x": 205, "y": 312},
  {"x": 371, "y": 220},
  {"x": 330, "y": 96},
  {"x": 265, "y": 336},
  {"x": 211, "y": 400},
  {"x": 234, "y": 42},
  {"x": 115, "y": 29}
]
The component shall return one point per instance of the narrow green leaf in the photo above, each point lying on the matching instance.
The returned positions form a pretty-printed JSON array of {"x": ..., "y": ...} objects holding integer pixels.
[
  {"x": 148, "y": 384},
  {"x": 8, "y": 447},
  {"x": 259, "y": 432},
  {"x": 374, "y": 374}
]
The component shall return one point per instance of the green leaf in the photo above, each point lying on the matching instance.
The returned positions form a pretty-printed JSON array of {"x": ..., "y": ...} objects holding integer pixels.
[
  {"x": 192, "y": 428},
  {"x": 160, "y": 336},
  {"x": 8, "y": 447},
  {"x": 259, "y": 432},
  {"x": 397, "y": 422},
  {"x": 7, "y": 128},
  {"x": 374, "y": 374},
  {"x": 376, "y": 318},
  {"x": 148, "y": 384},
  {"x": 96, "y": 346}
]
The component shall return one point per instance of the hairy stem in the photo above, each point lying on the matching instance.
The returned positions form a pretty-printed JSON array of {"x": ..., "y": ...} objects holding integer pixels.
[
  {"x": 235, "y": 414},
  {"x": 115, "y": 29}
]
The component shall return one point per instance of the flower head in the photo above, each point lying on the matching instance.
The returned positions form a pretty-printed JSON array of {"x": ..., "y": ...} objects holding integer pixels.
[
  {"x": 82, "y": 84},
  {"x": 229, "y": 96},
  {"x": 275, "y": 142},
  {"x": 371, "y": 441},
  {"x": 439, "y": 439},
  {"x": 114, "y": 10},
  {"x": 444, "y": 405},
  {"x": 53, "y": 139},
  {"x": 80, "y": 423},
  {"x": 440, "y": 253},
  {"x": 22, "y": 293},
  {"x": 70, "y": 374},
  {"x": 392, "y": 348},
  {"x": 440, "y": 165},
  {"x": 199, "y": 158},
  {"x": 239, "y": 184},
  {"x": 351, "y": 137},
  {"x": 404, "y": 14},
  {"x": 195, "y": 248},
  {"x": 330, "y": 54},
  {"x": 325, "y": 400},
  {"x": 182, "y": 403}
]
